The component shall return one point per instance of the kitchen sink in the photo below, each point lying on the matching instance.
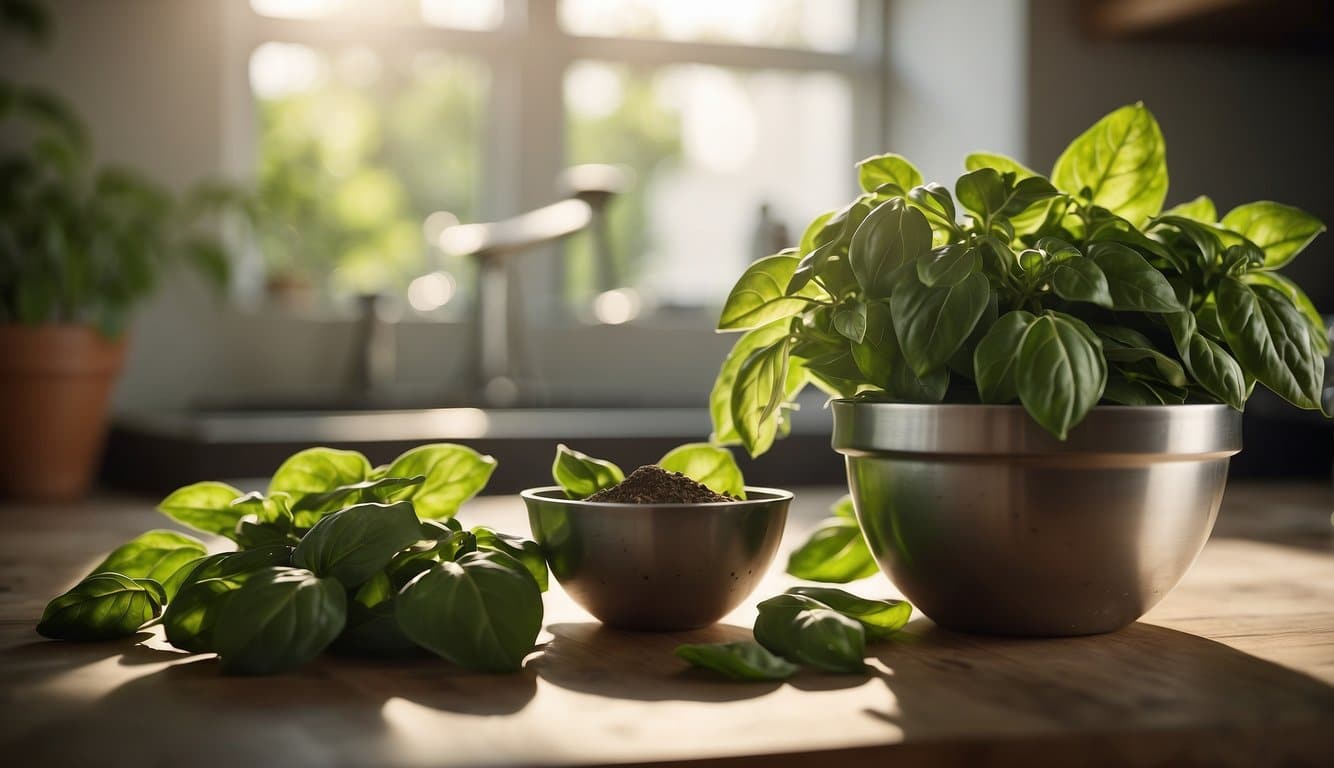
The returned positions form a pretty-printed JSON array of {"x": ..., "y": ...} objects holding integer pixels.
[{"x": 160, "y": 451}]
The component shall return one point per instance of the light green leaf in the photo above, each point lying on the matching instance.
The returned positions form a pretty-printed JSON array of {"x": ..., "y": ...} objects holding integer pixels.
[
  {"x": 873, "y": 172},
  {"x": 756, "y": 394},
  {"x": 707, "y": 464},
  {"x": 1280, "y": 230},
  {"x": 1200, "y": 209},
  {"x": 205, "y": 506},
  {"x": 760, "y": 295},
  {"x": 354, "y": 544},
  {"x": 316, "y": 470},
  {"x": 156, "y": 555},
  {"x": 581, "y": 475},
  {"x": 806, "y": 631},
  {"x": 879, "y": 618},
  {"x": 103, "y": 606},
  {"x": 720, "y": 397},
  {"x": 1120, "y": 164},
  {"x": 835, "y": 553},
  {"x": 454, "y": 473}
]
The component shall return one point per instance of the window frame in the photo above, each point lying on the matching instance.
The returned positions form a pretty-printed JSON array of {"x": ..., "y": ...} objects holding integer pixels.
[{"x": 528, "y": 55}]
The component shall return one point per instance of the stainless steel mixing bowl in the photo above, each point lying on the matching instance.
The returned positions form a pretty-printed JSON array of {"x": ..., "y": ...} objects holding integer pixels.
[
  {"x": 658, "y": 566},
  {"x": 989, "y": 524}
]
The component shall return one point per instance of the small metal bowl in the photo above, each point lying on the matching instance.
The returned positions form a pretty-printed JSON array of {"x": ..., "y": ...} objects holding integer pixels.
[{"x": 658, "y": 566}]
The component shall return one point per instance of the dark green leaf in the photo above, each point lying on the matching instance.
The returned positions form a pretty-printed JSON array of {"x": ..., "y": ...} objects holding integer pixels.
[
  {"x": 948, "y": 265},
  {"x": 805, "y": 631},
  {"x": 191, "y": 617},
  {"x": 491, "y": 594},
  {"x": 1209, "y": 364},
  {"x": 932, "y": 323},
  {"x": 879, "y": 618},
  {"x": 880, "y": 360},
  {"x": 526, "y": 551},
  {"x": 354, "y": 544},
  {"x": 738, "y": 661},
  {"x": 1081, "y": 279},
  {"x": 994, "y": 360},
  {"x": 1061, "y": 372},
  {"x": 1299, "y": 300},
  {"x": 1272, "y": 341},
  {"x": 279, "y": 619},
  {"x": 581, "y": 475},
  {"x": 103, "y": 606},
  {"x": 892, "y": 235},
  {"x": 1134, "y": 284},
  {"x": 850, "y": 320}
]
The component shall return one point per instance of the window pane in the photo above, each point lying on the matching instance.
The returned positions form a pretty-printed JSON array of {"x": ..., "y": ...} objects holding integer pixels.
[
  {"x": 709, "y": 147},
  {"x": 456, "y": 14},
  {"x": 827, "y": 25},
  {"x": 356, "y": 154}
]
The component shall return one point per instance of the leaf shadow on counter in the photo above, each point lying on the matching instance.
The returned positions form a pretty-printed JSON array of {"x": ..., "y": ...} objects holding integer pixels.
[
  {"x": 1030, "y": 693},
  {"x": 590, "y": 657}
]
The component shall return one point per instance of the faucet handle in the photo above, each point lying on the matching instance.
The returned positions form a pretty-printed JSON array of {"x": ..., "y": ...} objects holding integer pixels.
[{"x": 596, "y": 183}]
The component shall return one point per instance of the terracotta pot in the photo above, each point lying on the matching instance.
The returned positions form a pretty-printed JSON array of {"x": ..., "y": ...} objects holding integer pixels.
[{"x": 55, "y": 381}]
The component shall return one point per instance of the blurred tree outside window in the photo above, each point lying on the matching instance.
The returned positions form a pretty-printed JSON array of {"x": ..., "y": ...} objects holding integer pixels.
[{"x": 368, "y": 149}]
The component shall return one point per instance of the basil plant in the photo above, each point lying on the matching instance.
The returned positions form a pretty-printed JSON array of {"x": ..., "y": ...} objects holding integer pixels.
[{"x": 1057, "y": 292}]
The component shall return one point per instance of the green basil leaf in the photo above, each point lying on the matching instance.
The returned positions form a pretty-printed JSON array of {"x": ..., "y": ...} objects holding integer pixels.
[
  {"x": 267, "y": 509},
  {"x": 813, "y": 230},
  {"x": 720, "y": 397},
  {"x": 1281, "y": 231},
  {"x": 158, "y": 555},
  {"x": 933, "y": 322},
  {"x": 875, "y": 172},
  {"x": 934, "y": 200},
  {"x": 948, "y": 265},
  {"x": 1134, "y": 284},
  {"x": 1081, "y": 279},
  {"x": 879, "y": 618},
  {"x": 982, "y": 192},
  {"x": 1200, "y": 209},
  {"x": 491, "y": 594},
  {"x": 849, "y": 320},
  {"x": 1131, "y": 391},
  {"x": 373, "y": 632},
  {"x": 892, "y": 235},
  {"x": 311, "y": 508},
  {"x": 737, "y": 661},
  {"x": 581, "y": 475},
  {"x": 1000, "y": 163},
  {"x": 1272, "y": 340},
  {"x": 454, "y": 474},
  {"x": 279, "y": 619},
  {"x": 1165, "y": 368},
  {"x": 316, "y": 470},
  {"x": 707, "y": 464},
  {"x": 103, "y": 606},
  {"x": 354, "y": 544},
  {"x": 1119, "y": 164},
  {"x": 1061, "y": 372},
  {"x": 205, "y": 506},
  {"x": 805, "y": 631},
  {"x": 1209, "y": 364},
  {"x": 836, "y": 553},
  {"x": 526, "y": 551},
  {"x": 880, "y": 360},
  {"x": 759, "y": 388},
  {"x": 190, "y": 618},
  {"x": 995, "y": 357},
  {"x": 760, "y": 295},
  {"x": 1299, "y": 300}
]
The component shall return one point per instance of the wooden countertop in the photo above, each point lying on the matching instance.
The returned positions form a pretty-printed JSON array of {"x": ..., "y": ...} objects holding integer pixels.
[{"x": 1234, "y": 667}]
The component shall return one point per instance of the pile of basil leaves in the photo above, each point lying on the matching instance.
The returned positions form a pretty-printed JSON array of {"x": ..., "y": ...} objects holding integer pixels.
[
  {"x": 338, "y": 554},
  {"x": 1058, "y": 293}
]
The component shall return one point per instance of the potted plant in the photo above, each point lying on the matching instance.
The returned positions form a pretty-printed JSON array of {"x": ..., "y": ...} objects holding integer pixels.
[
  {"x": 79, "y": 248},
  {"x": 1038, "y": 380}
]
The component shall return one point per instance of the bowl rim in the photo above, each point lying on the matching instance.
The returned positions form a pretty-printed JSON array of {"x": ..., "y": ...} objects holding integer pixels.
[{"x": 775, "y": 494}]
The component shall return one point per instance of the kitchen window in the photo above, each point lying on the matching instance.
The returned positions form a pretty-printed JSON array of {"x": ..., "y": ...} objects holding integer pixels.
[{"x": 377, "y": 125}]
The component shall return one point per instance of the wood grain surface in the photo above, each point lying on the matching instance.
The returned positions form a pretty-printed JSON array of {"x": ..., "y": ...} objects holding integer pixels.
[{"x": 1234, "y": 668}]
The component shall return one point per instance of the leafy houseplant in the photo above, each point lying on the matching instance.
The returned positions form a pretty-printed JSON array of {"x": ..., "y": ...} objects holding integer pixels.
[
  {"x": 982, "y": 346},
  {"x": 1058, "y": 292},
  {"x": 79, "y": 248}
]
